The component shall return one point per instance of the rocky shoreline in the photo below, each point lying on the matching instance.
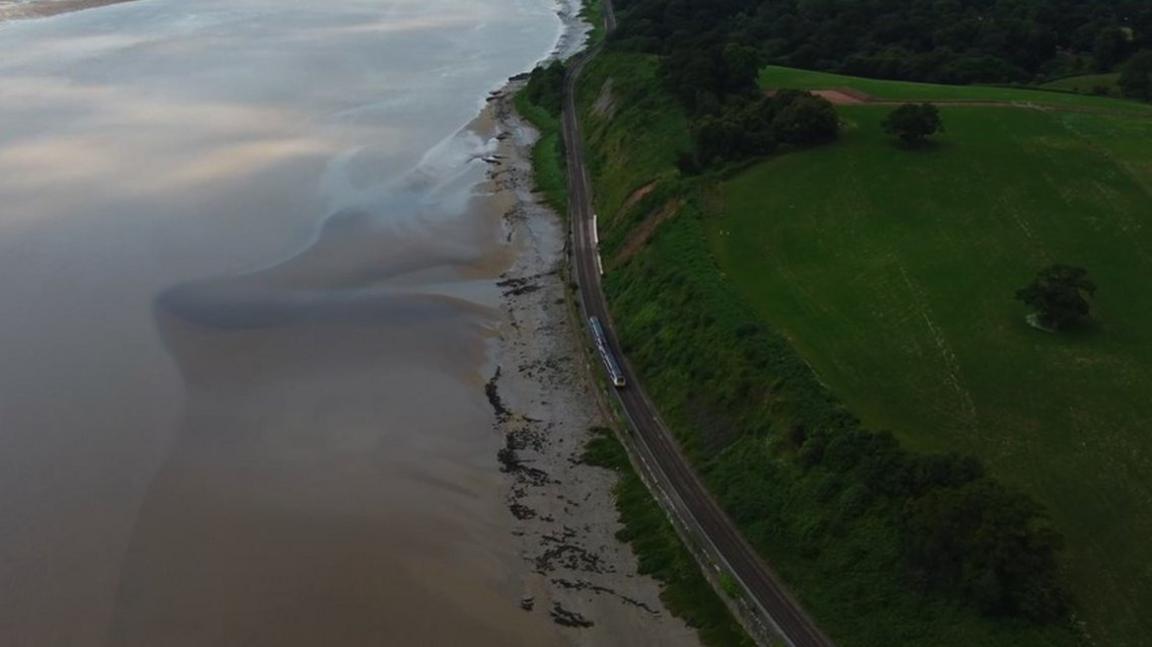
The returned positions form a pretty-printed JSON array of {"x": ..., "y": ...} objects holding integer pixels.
[{"x": 577, "y": 572}]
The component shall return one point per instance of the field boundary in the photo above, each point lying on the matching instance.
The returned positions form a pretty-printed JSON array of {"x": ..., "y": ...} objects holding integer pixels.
[{"x": 846, "y": 96}]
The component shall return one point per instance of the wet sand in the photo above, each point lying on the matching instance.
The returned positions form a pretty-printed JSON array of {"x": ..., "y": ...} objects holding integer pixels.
[{"x": 335, "y": 475}]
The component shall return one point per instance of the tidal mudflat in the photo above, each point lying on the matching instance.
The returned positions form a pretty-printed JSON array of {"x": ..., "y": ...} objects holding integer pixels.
[{"x": 250, "y": 256}]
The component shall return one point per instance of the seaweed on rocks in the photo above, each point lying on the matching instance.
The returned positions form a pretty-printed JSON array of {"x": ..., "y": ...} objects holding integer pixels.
[
  {"x": 493, "y": 393},
  {"x": 585, "y": 585},
  {"x": 573, "y": 558},
  {"x": 566, "y": 618}
]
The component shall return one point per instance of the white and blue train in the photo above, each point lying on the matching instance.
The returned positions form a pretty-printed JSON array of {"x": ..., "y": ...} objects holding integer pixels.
[{"x": 610, "y": 363}]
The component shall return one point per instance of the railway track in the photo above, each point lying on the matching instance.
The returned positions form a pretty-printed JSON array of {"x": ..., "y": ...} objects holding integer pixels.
[{"x": 660, "y": 456}]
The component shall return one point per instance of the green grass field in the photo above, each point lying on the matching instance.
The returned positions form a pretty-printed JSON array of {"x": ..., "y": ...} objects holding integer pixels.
[
  {"x": 784, "y": 77},
  {"x": 893, "y": 272}
]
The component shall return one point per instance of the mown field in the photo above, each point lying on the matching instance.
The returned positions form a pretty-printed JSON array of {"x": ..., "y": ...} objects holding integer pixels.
[
  {"x": 893, "y": 271},
  {"x": 735, "y": 390}
]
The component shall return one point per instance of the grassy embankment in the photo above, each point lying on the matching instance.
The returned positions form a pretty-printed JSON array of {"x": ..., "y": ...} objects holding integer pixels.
[
  {"x": 548, "y": 153},
  {"x": 661, "y": 554},
  {"x": 860, "y": 251},
  {"x": 895, "y": 281}
]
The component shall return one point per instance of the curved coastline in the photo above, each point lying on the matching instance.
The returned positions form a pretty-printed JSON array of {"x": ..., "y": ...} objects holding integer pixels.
[
  {"x": 298, "y": 452},
  {"x": 582, "y": 584}
]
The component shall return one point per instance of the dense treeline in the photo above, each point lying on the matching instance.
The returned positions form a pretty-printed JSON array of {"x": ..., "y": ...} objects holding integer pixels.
[
  {"x": 963, "y": 534},
  {"x": 760, "y": 126},
  {"x": 950, "y": 41}
]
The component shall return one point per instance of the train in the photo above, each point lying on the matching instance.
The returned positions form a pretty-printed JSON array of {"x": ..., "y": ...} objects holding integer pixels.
[
  {"x": 596, "y": 243},
  {"x": 606, "y": 355}
]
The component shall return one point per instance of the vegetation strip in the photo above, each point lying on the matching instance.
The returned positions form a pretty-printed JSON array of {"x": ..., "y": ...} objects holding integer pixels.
[
  {"x": 705, "y": 524},
  {"x": 687, "y": 594}
]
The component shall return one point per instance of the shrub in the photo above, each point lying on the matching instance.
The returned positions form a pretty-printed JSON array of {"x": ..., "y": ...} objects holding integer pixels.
[{"x": 914, "y": 123}]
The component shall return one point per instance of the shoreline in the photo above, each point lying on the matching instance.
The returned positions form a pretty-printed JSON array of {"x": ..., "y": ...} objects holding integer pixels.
[
  {"x": 577, "y": 573},
  {"x": 47, "y": 9},
  {"x": 565, "y": 568}
]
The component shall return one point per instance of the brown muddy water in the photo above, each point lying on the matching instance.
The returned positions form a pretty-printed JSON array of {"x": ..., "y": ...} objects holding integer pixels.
[{"x": 247, "y": 271}]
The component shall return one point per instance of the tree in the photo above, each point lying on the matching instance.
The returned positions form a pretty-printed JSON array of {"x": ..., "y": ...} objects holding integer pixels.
[
  {"x": 915, "y": 40},
  {"x": 804, "y": 118},
  {"x": 1057, "y": 295},
  {"x": 741, "y": 66},
  {"x": 1136, "y": 77},
  {"x": 914, "y": 123},
  {"x": 705, "y": 78},
  {"x": 1112, "y": 45},
  {"x": 718, "y": 139},
  {"x": 988, "y": 546},
  {"x": 546, "y": 87}
]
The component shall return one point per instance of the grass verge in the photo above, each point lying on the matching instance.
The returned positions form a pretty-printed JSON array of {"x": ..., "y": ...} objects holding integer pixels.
[
  {"x": 548, "y": 155},
  {"x": 686, "y": 593}
]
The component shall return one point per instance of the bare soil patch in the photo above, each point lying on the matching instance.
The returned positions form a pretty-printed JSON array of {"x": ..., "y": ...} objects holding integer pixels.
[
  {"x": 837, "y": 96},
  {"x": 637, "y": 196},
  {"x": 605, "y": 105},
  {"x": 644, "y": 232}
]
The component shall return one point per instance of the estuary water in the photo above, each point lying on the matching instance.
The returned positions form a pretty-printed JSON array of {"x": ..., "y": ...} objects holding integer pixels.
[{"x": 247, "y": 279}]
